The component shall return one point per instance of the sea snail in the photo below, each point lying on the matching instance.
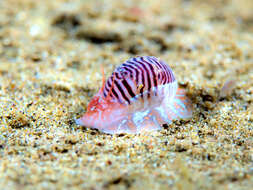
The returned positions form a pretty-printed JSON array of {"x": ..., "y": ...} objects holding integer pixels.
[{"x": 140, "y": 95}]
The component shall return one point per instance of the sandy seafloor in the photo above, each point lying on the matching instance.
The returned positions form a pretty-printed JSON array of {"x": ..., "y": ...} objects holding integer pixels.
[{"x": 50, "y": 57}]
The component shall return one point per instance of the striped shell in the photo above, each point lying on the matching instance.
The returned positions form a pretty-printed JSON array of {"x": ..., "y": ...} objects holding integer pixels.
[{"x": 140, "y": 95}]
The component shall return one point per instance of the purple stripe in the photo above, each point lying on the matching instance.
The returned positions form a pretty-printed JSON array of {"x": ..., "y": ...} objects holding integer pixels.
[
  {"x": 164, "y": 67},
  {"x": 142, "y": 76},
  {"x": 163, "y": 77},
  {"x": 132, "y": 65},
  {"x": 147, "y": 74},
  {"x": 121, "y": 90},
  {"x": 133, "y": 69},
  {"x": 152, "y": 71},
  {"x": 151, "y": 76}
]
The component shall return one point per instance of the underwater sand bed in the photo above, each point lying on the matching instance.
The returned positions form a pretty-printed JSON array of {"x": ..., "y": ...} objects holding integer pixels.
[{"x": 50, "y": 58}]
